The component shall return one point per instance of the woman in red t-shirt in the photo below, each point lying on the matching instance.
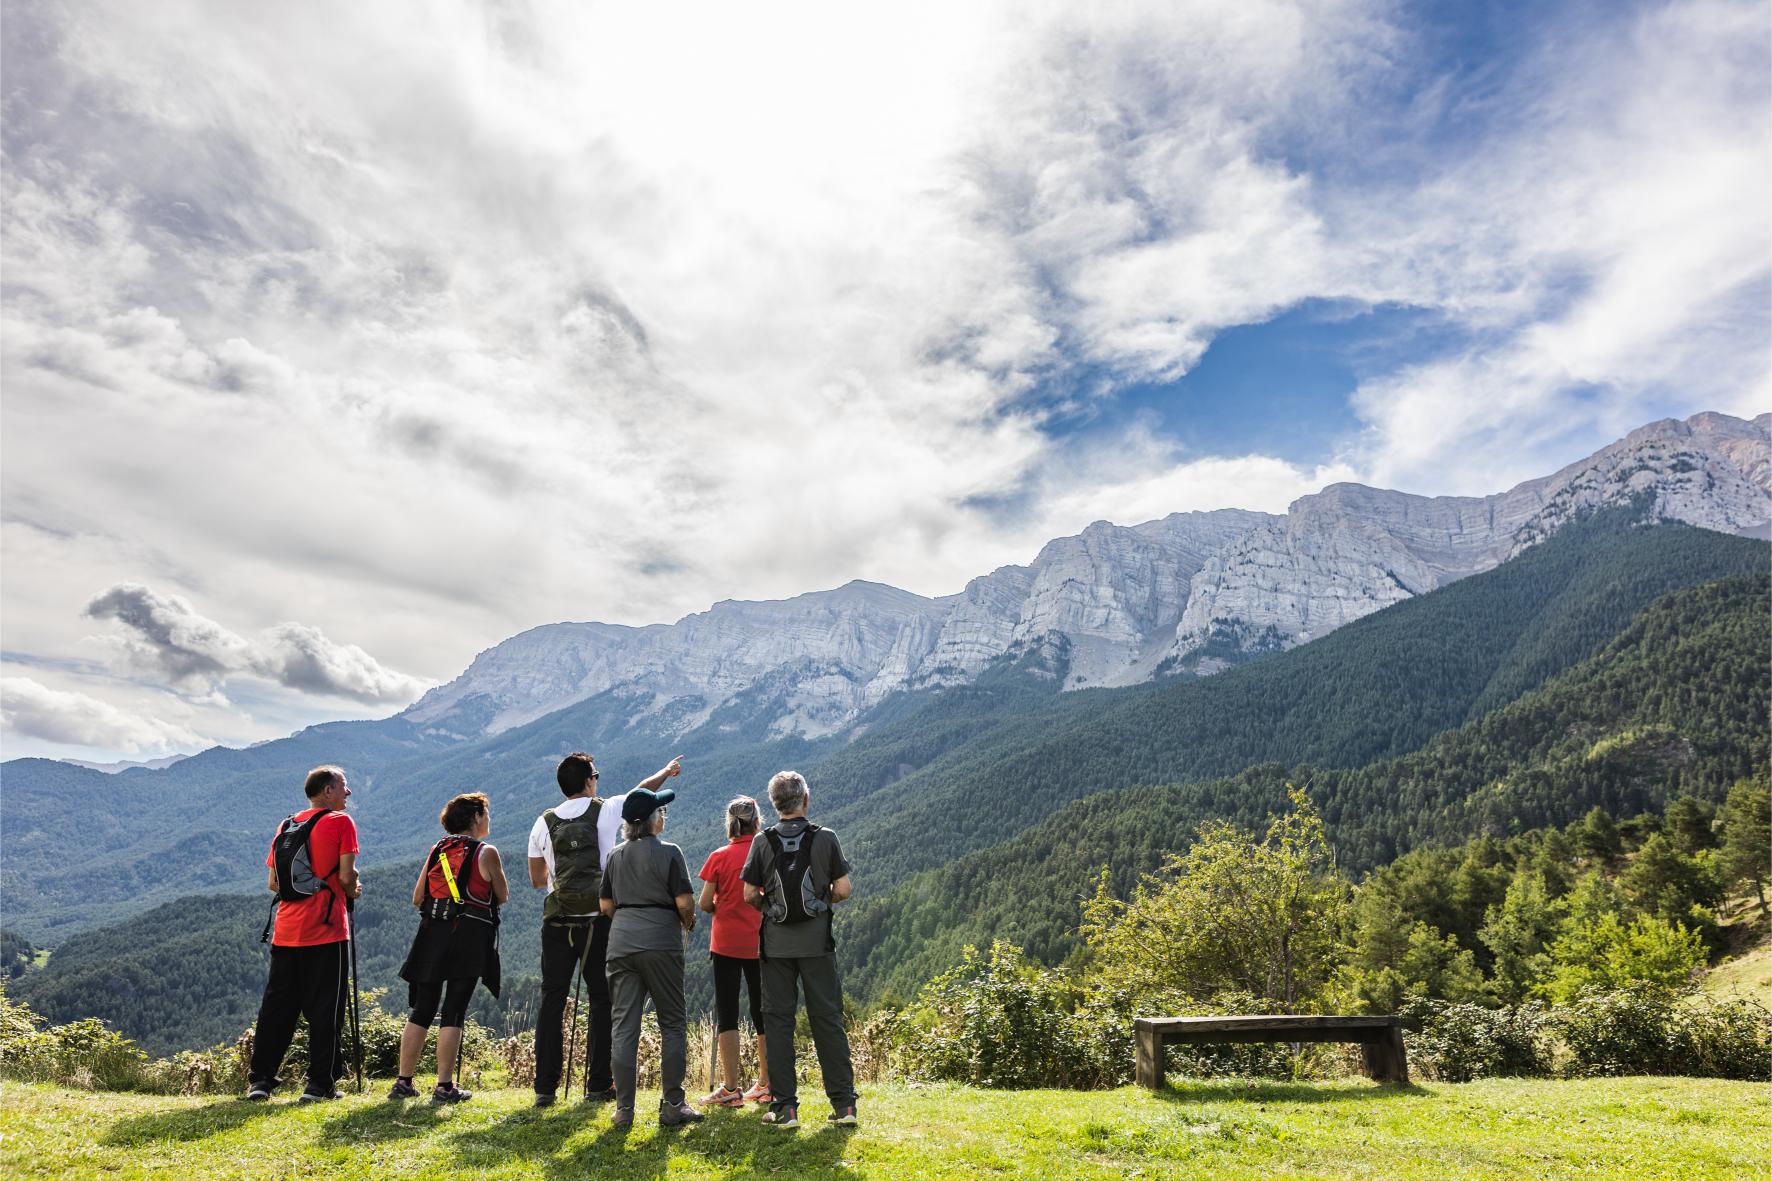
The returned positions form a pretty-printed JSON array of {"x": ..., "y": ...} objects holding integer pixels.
[{"x": 734, "y": 952}]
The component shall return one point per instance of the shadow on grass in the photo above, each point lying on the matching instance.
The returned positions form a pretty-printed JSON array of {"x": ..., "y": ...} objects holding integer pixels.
[
  {"x": 386, "y": 1121},
  {"x": 196, "y": 1123},
  {"x": 735, "y": 1142},
  {"x": 1244, "y": 1091}
]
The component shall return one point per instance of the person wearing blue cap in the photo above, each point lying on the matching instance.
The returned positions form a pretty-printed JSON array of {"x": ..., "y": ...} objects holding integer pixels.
[{"x": 651, "y": 904}]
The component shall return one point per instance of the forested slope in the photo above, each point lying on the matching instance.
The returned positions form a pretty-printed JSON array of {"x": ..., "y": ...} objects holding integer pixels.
[
  {"x": 1677, "y": 704},
  {"x": 1377, "y": 688}
]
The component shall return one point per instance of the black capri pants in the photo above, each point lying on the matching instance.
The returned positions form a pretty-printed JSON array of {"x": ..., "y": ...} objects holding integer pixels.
[
  {"x": 727, "y": 970},
  {"x": 424, "y": 999}
]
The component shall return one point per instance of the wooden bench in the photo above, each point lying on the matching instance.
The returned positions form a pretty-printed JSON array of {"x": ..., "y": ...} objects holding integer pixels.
[{"x": 1381, "y": 1039}]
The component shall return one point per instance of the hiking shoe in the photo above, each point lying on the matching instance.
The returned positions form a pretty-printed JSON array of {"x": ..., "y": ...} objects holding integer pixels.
[
  {"x": 624, "y": 1117},
  {"x": 450, "y": 1093},
  {"x": 320, "y": 1097},
  {"x": 544, "y": 1098},
  {"x": 258, "y": 1092},
  {"x": 724, "y": 1097},
  {"x": 672, "y": 1114},
  {"x": 785, "y": 1116},
  {"x": 402, "y": 1089},
  {"x": 842, "y": 1115},
  {"x": 759, "y": 1094},
  {"x": 603, "y": 1096}
]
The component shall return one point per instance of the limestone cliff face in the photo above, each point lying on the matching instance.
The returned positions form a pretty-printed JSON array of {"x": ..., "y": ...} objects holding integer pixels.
[
  {"x": 1116, "y": 593},
  {"x": 1350, "y": 550},
  {"x": 1192, "y": 591}
]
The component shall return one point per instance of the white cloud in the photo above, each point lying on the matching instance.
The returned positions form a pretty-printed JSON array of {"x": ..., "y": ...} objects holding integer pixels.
[
  {"x": 33, "y": 710},
  {"x": 424, "y": 323},
  {"x": 166, "y": 638},
  {"x": 1613, "y": 247}
]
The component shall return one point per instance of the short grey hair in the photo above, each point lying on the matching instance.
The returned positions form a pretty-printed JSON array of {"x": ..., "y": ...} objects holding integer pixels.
[
  {"x": 633, "y": 830},
  {"x": 787, "y": 790}
]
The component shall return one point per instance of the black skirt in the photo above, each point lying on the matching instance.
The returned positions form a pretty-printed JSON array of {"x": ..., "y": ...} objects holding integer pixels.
[{"x": 453, "y": 950}]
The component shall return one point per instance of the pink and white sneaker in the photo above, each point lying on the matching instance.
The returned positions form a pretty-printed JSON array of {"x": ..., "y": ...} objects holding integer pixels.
[
  {"x": 759, "y": 1094},
  {"x": 724, "y": 1097}
]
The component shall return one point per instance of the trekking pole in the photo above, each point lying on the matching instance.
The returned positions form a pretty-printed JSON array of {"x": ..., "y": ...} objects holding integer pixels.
[
  {"x": 572, "y": 1042},
  {"x": 356, "y": 1026}
]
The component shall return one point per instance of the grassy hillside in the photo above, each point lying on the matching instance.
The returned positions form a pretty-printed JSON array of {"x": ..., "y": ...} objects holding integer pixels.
[
  {"x": 1678, "y": 701},
  {"x": 1616, "y": 1128}
]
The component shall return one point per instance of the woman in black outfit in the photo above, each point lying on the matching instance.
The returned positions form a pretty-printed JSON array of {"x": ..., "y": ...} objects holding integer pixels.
[{"x": 460, "y": 888}]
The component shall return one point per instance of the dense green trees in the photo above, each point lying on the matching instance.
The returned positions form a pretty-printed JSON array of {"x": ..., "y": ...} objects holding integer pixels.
[{"x": 1676, "y": 704}]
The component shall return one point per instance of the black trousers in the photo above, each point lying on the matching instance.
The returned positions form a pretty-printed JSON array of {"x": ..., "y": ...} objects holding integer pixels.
[
  {"x": 310, "y": 982},
  {"x": 563, "y": 947}
]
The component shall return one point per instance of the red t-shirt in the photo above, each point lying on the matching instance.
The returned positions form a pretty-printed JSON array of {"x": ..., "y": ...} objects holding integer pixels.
[
  {"x": 304, "y": 924},
  {"x": 736, "y": 922}
]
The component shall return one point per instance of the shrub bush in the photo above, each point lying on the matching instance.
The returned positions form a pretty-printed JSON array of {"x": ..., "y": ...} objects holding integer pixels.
[
  {"x": 999, "y": 1021},
  {"x": 1455, "y": 1043},
  {"x": 1656, "y": 1031},
  {"x": 1730, "y": 1038}
]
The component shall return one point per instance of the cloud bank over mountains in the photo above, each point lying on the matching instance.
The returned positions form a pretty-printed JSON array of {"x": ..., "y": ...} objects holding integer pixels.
[{"x": 426, "y": 323}]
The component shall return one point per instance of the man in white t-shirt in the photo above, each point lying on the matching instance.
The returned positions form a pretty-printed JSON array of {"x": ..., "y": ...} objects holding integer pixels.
[{"x": 575, "y": 935}]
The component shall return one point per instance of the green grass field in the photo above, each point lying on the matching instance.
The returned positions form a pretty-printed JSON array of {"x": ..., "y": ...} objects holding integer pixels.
[{"x": 1612, "y": 1128}]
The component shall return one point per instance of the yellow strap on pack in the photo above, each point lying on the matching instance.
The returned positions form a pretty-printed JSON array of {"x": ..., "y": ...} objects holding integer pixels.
[{"x": 448, "y": 876}]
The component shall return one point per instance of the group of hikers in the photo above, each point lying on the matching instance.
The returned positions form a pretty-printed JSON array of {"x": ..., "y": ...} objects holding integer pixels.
[{"x": 616, "y": 918}]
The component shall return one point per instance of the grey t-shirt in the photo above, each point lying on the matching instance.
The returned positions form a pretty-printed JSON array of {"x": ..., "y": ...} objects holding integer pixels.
[
  {"x": 796, "y": 940},
  {"x": 643, "y": 878}
]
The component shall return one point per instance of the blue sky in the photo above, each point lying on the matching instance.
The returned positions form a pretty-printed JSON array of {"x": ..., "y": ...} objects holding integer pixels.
[{"x": 342, "y": 341}]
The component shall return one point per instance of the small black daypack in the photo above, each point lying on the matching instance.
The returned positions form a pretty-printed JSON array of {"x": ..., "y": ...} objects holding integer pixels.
[
  {"x": 296, "y": 879},
  {"x": 788, "y": 895}
]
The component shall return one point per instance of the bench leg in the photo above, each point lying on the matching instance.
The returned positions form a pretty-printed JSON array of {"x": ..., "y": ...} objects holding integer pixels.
[
  {"x": 1149, "y": 1071},
  {"x": 1386, "y": 1060}
]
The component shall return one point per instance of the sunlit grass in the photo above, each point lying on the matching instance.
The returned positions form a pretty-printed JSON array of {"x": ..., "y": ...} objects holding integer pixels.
[{"x": 1637, "y": 1127}]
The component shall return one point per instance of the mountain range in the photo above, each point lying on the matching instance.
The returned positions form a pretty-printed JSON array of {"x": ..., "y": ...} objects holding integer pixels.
[
  {"x": 902, "y": 707},
  {"x": 1191, "y": 593}
]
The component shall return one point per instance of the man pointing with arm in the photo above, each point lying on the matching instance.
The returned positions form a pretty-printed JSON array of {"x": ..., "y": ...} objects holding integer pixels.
[{"x": 568, "y": 848}]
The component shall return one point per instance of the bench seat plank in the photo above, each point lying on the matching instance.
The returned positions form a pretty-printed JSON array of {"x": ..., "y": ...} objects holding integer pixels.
[{"x": 1381, "y": 1037}]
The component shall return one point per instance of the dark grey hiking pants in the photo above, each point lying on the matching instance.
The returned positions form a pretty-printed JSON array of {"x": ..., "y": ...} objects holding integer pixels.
[
  {"x": 782, "y": 978},
  {"x": 633, "y": 978}
]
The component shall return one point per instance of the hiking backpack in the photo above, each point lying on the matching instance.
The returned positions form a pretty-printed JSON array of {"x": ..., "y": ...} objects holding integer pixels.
[
  {"x": 788, "y": 894},
  {"x": 578, "y": 863},
  {"x": 296, "y": 879},
  {"x": 449, "y": 890}
]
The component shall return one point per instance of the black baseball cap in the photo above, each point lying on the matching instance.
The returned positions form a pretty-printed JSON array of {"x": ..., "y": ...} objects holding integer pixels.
[{"x": 641, "y": 803}]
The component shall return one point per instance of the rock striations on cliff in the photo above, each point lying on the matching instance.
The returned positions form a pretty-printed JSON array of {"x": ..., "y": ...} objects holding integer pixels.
[{"x": 1190, "y": 593}]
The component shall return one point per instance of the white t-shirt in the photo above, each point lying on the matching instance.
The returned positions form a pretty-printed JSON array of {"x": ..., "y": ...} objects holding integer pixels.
[{"x": 608, "y": 830}]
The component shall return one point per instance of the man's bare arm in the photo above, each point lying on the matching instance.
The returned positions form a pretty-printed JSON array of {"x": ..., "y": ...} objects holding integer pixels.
[
  {"x": 753, "y": 895},
  {"x": 668, "y": 771},
  {"x": 686, "y": 911},
  {"x": 538, "y": 872},
  {"x": 347, "y": 875},
  {"x": 271, "y": 879},
  {"x": 840, "y": 889},
  {"x": 607, "y": 906}
]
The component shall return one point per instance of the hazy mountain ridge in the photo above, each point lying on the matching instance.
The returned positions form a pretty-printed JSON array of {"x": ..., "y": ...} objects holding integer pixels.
[{"x": 1190, "y": 592}]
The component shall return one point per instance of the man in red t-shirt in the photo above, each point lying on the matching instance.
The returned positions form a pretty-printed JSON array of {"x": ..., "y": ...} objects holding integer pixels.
[{"x": 310, "y": 963}]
